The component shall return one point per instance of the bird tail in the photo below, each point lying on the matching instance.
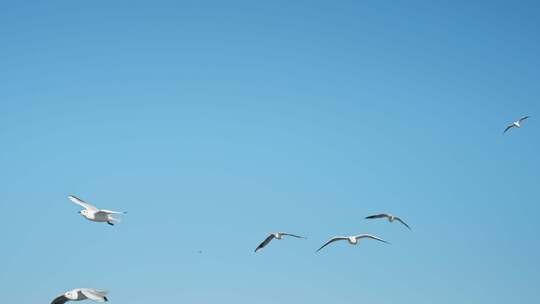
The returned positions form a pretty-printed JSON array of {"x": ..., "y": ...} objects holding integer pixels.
[{"x": 114, "y": 220}]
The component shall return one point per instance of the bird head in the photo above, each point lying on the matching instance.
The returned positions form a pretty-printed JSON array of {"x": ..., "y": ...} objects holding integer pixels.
[
  {"x": 83, "y": 212},
  {"x": 71, "y": 295}
]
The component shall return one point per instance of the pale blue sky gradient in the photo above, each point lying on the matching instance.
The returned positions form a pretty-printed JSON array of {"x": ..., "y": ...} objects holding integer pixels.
[{"x": 215, "y": 122}]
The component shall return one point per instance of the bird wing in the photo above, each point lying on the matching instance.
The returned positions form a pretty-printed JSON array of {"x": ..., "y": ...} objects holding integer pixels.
[
  {"x": 369, "y": 236},
  {"x": 265, "y": 242},
  {"x": 60, "y": 300},
  {"x": 523, "y": 118},
  {"x": 508, "y": 128},
  {"x": 100, "y": 292},
  {"x": 401, "y": 221},
  {"x": 330, "y": 241},
  {"x": 293, "y": 235},
  {"x": 82, "y": 203},
  {"x": 376, "y": 216},
  {"x": 112, "y": 212},
  {"x": 94, "y": 294}
]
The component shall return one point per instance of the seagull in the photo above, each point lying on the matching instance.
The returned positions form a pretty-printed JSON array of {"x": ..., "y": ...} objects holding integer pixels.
[
  {"x": 390, "y": 218},
  {"x": 515, "y": 124},
  {"x": 80, "y": 294},
  {"x": 275, "y": 235},
  {"x": 94, "y": 214},
  {"x": 353, "y": 240}
]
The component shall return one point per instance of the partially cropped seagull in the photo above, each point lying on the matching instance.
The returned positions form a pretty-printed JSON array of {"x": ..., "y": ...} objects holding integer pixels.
[
  {"x": 353, "y": 240},
  {"x": 275, "y": 235},
  {"x": 390, "y": 218},
  {"x": 80, "y": 294},
  {"x": 94, "y": 214},
  {"x": 515, "y": 124}
]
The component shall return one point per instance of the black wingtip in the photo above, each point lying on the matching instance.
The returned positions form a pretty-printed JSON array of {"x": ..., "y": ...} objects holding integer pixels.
[{"x": 106, "y": 300}]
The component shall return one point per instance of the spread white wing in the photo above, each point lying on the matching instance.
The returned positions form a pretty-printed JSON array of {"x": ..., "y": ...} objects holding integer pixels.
[
  {"x": 508, "y": 128},
  {"x": 403, "y": 222},
  {"x": 82, "y": 203},
  {"x": 112, "y": 212},
  {"x": 523, "y": 118},
  {"x": 293, "y": 235},
  {"x": 330, "y": 241},
  {"x": 377, "y": 216},
  {"x": 95, "y": 294},
  {"x": 369, "y": 236}
]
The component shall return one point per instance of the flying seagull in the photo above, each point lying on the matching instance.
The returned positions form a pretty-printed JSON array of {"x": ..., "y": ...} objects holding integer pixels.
[
  {"x": 515, "y": 124},
  {"x": 80, "y": 294},
  {"x": 94, "y": 214},
  {"x": 353, "y": 240},
  {"x": 275, "y": 235},
  {"x": 390, "y": 218}
]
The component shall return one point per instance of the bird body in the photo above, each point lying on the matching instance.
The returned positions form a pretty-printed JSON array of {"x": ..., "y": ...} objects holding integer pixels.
[
  {"x": 94, "y": 214},
  {"x": 278, "y": 235},
  {"x": 353, "y": 240},
  {"x": 80, "y": 294}
]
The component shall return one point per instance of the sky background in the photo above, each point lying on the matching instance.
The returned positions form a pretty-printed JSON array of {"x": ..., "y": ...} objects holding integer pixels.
[{"x": 214, "y": 123}]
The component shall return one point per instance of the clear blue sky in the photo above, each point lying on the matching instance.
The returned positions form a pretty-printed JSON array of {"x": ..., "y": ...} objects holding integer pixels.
[{"x": 216, "y": 122}]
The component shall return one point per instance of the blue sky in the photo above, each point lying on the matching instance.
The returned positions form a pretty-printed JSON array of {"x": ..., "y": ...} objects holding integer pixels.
[{"x": 215, "y": 122}]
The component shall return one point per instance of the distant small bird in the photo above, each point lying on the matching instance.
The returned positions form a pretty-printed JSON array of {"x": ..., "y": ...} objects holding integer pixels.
[
  {"x": 515, "y": 124},
  {"x": 94, "y": 214},
  {"x": 390, "y": 218},
  {"x": 80, "y": 294},
  {"x": 353, "y": 240},
  {"x": 276, "y": 235}
]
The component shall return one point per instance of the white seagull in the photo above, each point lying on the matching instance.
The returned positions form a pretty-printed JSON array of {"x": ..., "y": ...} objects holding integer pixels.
[
  {"x": 515, "y": 124},
  {"x": 94, "y": 214},
  {"x": 353, "y": 240},
  {"x": 278, "y": 236},
  {"x": 80, "y": 294},
  {"x": 390, "y": 218}
]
